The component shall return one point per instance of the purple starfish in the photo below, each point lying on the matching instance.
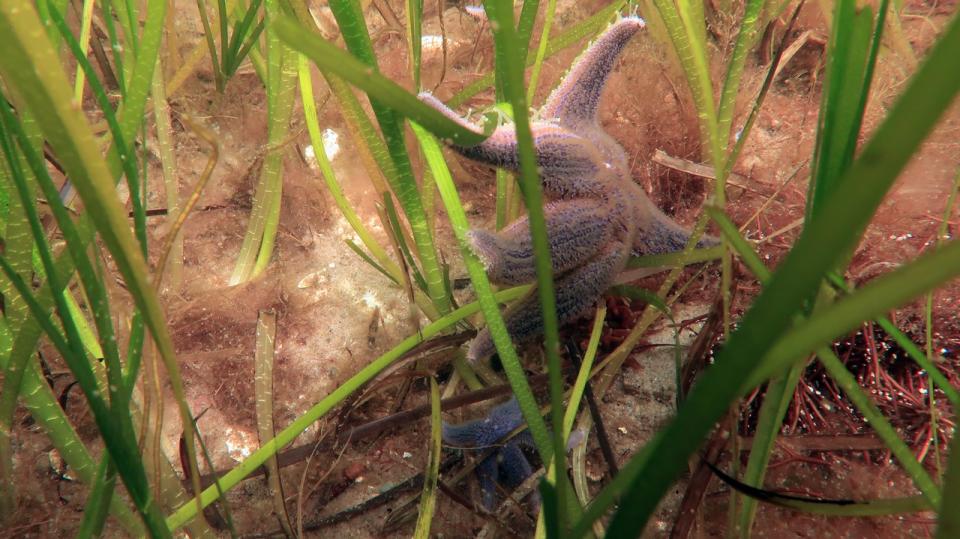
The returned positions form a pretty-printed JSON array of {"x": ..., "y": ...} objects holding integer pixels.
[{"x": 596, "y": 217}]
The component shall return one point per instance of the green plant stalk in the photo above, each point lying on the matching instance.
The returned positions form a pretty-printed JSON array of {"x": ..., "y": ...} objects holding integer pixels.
[
  {"x": 820, "y": 247},
  {"x": 500, "y": 13},
  {"x": 211, "y": 46},
  {"x": 241, "y": 43},
  {"x": 525, "y": 23},
  {"x": 428, "y": 499},
  {"x": 329, "y": 177},
  {"x": 746, "y": 38},
  {"x": 942, "y": 232},
  {"x": 580, "y": 384},
  {"x": 852, "y": 55},
  {"x": 261, "y": 229},
  {"x": 98, "y": 501},
  {"x": 776, "y": 400},
  {"x": 948, "y": 524},
  {"x": 86, "y": 20},
  {"x": 354, "y": 31},
  {"x": 115, "y": 48},
  {"x": 687, "y": 34},
  {"x": 541, "y": 50},
  {"x": 161, "y": 114},
  {"x": 263, "y": 385},
  {"x": 273, "y": 163},
  {"x": 189, "y": 510},
  {"x": 415, "y": 40}
]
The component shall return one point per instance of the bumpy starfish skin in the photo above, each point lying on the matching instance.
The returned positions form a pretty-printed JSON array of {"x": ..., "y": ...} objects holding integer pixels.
[
  {"x": 507, "y": 465},
  {"x": 597, "y": 216}
]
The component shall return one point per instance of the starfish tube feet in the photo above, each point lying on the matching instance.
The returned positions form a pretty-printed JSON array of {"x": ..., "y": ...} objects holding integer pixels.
[
  {"x": 577, "y": 98},
  {"x": 576, "y": 230},
  {"x": 577, "y": 291}
]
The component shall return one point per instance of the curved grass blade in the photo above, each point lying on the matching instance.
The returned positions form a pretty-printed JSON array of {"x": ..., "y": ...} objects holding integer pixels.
[
  {"x": 428, "y": 500},
  {"x": 949, "y": 518},
  {"x": 98, "y": 500},
  {"x": 261, "y": 232},
  {"x": 263, "y": 386}
]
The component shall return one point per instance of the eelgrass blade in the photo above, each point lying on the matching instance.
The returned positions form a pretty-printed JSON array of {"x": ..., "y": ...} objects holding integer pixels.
[
  {"x": 819, "y": 248},
  {"x": 948, "y": 525},
  {"x": 258, "y": 241},
  {"x": 189, "y": 510},
  {"x": 415, "y": 39},
  {"x": 263, "y": 388},
  {"x": 98, "y": 500},
  {"x": 776, "y": 400},
  {"x": 240, "y": 41},
  {"x": 685, "y": 26},
  {"x": 211, "y": 45},
  {"x": 746, "y": 37},
  {"x": 854, "y": 43},
  {"x": 580, "y": 384},
  {"x": 428, "y": 499},
  {"x": 399, "y": 237},
  {"x": 172, "y": 269},
  {"x": 330, "y": 58}
]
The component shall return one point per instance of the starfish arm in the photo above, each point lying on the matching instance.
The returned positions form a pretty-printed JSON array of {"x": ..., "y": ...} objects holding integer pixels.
[
  {"x": 576, "y": 230},
  {"x": 569, "y": 163},
  {"x": 577, "y": 291},
  {"x": 576, "y": 99},
  {"x": 514, "y": 466},
  {"x": 658, "y": 234},
  {"x": 487, "y": 431},
  {"x": 487, "y": 473}
]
